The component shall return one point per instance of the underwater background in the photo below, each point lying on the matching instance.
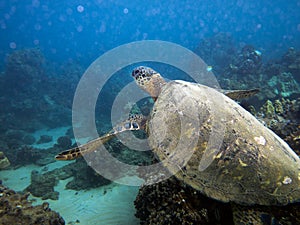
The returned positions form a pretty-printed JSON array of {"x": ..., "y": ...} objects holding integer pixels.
[{"x": 46, "y": 46}]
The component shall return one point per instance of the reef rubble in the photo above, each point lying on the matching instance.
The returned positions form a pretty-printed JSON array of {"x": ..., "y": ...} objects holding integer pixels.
[{"x": 15, "y": 208}]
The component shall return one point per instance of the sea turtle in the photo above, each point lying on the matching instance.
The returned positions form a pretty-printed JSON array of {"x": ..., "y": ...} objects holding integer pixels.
[{"x": 250, "y": 165}]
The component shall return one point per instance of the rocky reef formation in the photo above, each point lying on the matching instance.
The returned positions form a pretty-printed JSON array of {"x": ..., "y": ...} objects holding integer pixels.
[
  {"x": 217, "y": 51},
  {"x": 16, "y": 209},
  {"x": 245, "y": 68},
  {"x": 283, "y": 117},
  {"x": 34, "y": 94},
  {"x": 275, "y": 81},
  {"x": 291, "y": 61},
  {"x": 172, "y": 202},
  {"x": 4, "y": 162},
  {"x": 42, "y": 184}
]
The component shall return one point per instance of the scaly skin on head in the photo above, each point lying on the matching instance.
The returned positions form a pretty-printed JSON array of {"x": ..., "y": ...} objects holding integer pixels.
[{"x": 149, "y": 80}]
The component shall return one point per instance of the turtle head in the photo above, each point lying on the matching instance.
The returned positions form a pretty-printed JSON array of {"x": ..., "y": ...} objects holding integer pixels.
[{"x": 148, "y": 80}]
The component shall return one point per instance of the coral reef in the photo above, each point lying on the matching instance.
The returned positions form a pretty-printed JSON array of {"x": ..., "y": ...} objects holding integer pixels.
[
  {"x": 44, "y": 139},
  {"x": 4, "y": 162},
  {"x": 23, "y": 155},
  {"x": 291, "y": 60},
  {"x": 64, "y": 142},
  {"x": 283, "y": 85},
  {"x": 275, "y": 79},
  {"x": 42, "y": 184},
  {"x": 28, "y": 139},
  {"x": 217, "y": 51},
  {"x": 85, "y": 177},
  {"x": 25, "y": 65},
  {"x": 173, "y": 202},
  {"x": 32, "y": 96},
  {"x": 16, "y": 209},
  {"x": 248, "y": 62},
  {"x": 283, "y": 117}
]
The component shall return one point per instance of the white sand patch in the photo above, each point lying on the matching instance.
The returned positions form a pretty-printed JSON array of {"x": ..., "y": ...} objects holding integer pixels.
[
  {"x": 19, "y": 179},
  {"x": 95, "y": 207},
  {"x": 107, "y": 205}
]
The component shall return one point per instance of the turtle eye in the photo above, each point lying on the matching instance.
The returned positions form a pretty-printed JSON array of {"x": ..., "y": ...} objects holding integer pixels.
[{"x": 134, "y": 73}]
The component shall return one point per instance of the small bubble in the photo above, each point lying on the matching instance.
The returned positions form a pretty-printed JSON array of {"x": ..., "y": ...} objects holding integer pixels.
[
  {"x": 125, "y": 11},
  {"x": 6, "y": 16},
  {"x": 3, "y": 25},
  {"x": 36, "y": 3},
  {"x": 79, "y": 28},
  {"x": 69, "y": 11},
  {"x": 80, "y": 8},
  {"x": 62, "y": 18},
  {"x": 102, "y": 27},
  {"x": 37, "y": 27},
  {"x": 12, "y": 45},
  {"x": 36, "y": 41},
  {"x": 258, "y": 26},
  {"x": 298, "y": 27}
]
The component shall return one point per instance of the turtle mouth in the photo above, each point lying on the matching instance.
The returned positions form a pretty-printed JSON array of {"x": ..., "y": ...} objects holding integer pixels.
[{"x": 142, "y": 72}]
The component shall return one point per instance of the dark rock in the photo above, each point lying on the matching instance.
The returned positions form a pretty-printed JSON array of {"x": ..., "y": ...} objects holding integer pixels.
[
  {"x": 44, "y": 161},
  {"x": 42, "y": 186},
  {"x": 14, "y": 134},
  {"x": 28, "y": 139},
  {"x": 64, "y": 142},
  {"x": 217, "y": 51},
  {"x": 25, "y": 155},
  {"x": 13, "y": 138},
  {"x": 70, "y": 132},
  {"x": 85, "y": 177},
  {"x": 45, "y": 139},
  {"x": 283, "y": 119},
  {"x": 16, "y": 209},
  {"x": 172, "y": 202}
]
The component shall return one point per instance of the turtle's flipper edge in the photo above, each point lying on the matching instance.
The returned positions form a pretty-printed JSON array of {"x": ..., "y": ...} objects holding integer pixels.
[
  {"x": 135, "y": 122},
  {"x": 77, "y": 152},
  {"x": 239, "y": 94}
]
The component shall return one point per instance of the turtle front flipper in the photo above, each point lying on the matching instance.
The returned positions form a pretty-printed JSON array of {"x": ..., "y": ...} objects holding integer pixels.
[
  {"x": 239, "y": 94},
  {"x": 135, "y": 122},
  {"x": 79, "y": 151}
]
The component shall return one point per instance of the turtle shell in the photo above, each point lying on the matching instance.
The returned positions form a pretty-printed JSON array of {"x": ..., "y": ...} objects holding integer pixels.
[{"x": 211, "y": 143}]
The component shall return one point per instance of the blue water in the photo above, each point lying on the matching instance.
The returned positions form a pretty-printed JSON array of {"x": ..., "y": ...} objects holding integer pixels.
[
  {"x": 83, "y": 30},
  {"x": 46, "y": 45}
]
